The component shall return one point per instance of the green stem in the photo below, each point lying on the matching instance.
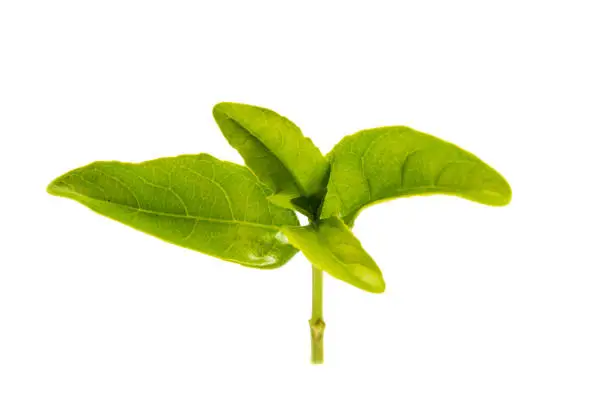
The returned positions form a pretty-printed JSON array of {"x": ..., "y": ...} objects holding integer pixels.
[{"x": 317, "y": 325}]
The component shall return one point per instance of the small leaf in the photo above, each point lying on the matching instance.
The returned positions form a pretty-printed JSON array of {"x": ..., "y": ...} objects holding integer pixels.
[
  {"x": 332, "y": 247},
  {"x": 274, "y": 148},
  {"x": 284, "y": 200},
  {"x": 195, "y": 201},
  {"x": 305, "y": 205},
  {"x": 379, "y": 164}
]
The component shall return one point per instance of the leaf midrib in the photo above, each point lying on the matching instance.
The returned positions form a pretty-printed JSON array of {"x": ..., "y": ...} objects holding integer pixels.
[
  {"x": 183, "y": 216},
  {"x": 415, "y": 192}
]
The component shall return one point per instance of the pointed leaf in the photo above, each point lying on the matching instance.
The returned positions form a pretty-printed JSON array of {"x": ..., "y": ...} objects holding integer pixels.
[
  {"x": 284, "y": 200},
  {"x": 332, "y": 247},
  {"x": 379, "y": 164},
  {"x": 304, "y": 205},
  {"x": 195, "y": 201},
  {"x": 274, "y": 148}
]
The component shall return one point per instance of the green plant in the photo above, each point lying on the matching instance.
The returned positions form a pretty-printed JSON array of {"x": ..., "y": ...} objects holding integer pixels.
[{"x": 247, "y": 214}]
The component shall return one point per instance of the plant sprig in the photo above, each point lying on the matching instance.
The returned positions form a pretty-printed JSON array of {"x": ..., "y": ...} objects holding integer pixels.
[{"x": 247, "y": 214}]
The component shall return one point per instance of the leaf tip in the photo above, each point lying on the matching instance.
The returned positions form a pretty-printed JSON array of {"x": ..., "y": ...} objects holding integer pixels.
[
  {"x": 220, "y": 106},
  {"x": 57, "y": 187},
  {"x": 504, "y": 192},
  {"x": 370, "y": 278},
  {"x": 379, "y": 287},
  {"x": 507, "y": 198},
  {"x": 225, "y": 108}
]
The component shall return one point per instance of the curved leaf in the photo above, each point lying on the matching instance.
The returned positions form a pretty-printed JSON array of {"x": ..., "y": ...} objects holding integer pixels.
[
  {"x": 390, "y": 162},
  {"x": 195, "y": 201},
  {"x": 332, "y": 247},
  {"x": 274, "y": 148}
]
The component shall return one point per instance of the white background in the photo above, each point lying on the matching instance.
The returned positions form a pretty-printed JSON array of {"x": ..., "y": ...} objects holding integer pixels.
[{"x": 485, "y": 307}]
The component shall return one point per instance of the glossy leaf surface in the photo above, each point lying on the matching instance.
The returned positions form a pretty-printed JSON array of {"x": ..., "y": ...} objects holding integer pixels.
[
  {"x": 195, "y": 201},
  {"x": 332, "y": 247},
  {"x": 274, "y": 148},
  {"x": 379, "y": 164}
]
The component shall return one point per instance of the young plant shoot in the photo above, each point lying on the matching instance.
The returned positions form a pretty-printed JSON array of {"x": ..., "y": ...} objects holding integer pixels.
[{"x": 246, "y": 214}]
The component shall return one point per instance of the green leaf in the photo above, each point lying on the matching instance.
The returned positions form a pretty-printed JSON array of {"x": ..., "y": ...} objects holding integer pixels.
[
  {"x": 306, "y": 205},
  {"x": 284, "y": 200},
  {"x": 195, "y": 201},
  {"x": 274, "y": 148},
  {"x": 330, "y": 246},
  {"x": 379, "y": 164}
]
